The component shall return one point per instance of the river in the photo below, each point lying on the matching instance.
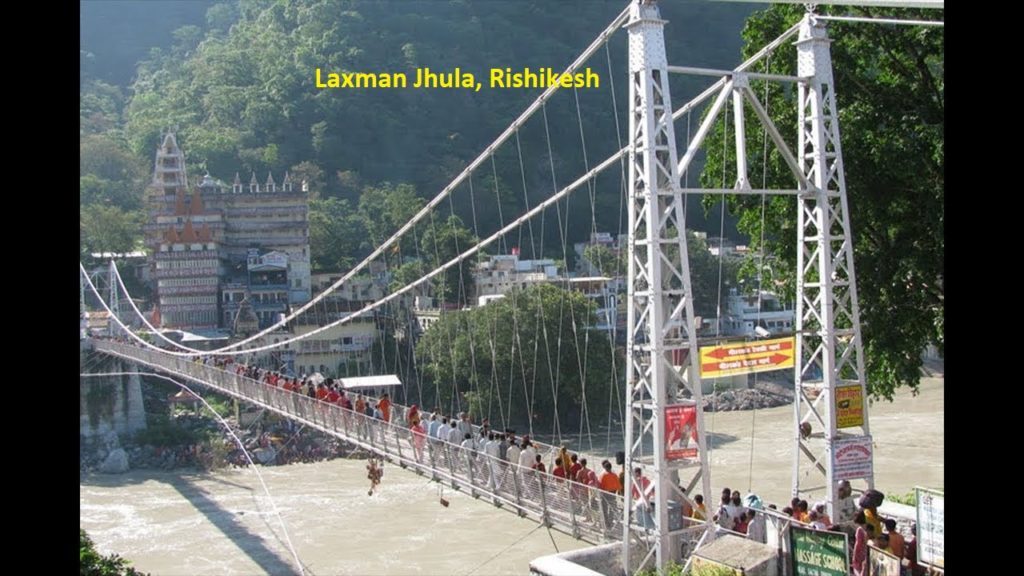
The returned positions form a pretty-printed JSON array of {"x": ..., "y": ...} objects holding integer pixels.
[{"x": 170, "y": 523}]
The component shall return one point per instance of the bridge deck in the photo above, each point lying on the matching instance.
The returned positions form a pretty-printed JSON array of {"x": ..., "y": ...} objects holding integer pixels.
[{"x": 584, "y": 512}]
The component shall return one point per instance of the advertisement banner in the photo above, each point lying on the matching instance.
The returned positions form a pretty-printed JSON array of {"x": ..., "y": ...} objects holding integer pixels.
[
  {"x": 931, "y": 531},
  {"x": 882, "y": 563},
  {"x": 852, "y": 458},
  {"x": 746, "y": 357},
  {"x": 818, "y": 553},
  {"x": 680, "y": 431},
  {"x": 849, "y": 406}
]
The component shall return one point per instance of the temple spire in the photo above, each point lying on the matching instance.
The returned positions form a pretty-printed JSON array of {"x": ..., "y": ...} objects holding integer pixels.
[{"x": 169, "y": 171}]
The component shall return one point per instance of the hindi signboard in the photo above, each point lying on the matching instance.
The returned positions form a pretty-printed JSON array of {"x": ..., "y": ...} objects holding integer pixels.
[
  {"x": 680, "y": 430},
  {"x": 746, "y": 357},
  {"x": 849, "y": 406},
  {"x": 852, "y": 458},
  {"x": 818, "y": 553},
  {"x": 931, "y": 532}
]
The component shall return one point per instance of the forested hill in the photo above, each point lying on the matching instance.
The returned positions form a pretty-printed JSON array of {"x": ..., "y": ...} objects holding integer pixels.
[
  {"x": 116, "y": 34},
  {"x": 241, "y": 90}
]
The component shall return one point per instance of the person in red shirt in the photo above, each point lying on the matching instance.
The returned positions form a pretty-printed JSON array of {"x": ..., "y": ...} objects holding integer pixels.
[
  {"x": 558, "y": 469},
  {"x": 574, "y": 470},
  {"x": 643, "y": 481},
  {"x": 586, "y": 476},
  {"x": 741, "y": 523},
  {"x": 539, "y": 465}
]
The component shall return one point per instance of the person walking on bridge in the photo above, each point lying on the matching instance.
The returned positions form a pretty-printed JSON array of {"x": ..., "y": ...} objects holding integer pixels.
[
  {"x": 493, "y": 452},
  {"x": 610, "y": 485},
  {"x": 419, "y": 437},
  {"x": 385, "y": 406}
]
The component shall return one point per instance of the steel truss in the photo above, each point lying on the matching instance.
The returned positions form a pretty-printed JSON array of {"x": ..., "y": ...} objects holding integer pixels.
[
  {"x": 661, "y": 327},
  {"x": 661, "y": 341}
]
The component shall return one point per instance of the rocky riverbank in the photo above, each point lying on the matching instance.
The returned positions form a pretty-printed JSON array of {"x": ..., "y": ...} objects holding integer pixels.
[
  {"x": 203, "y": 443},
  {"x": 763, "y": 394}
]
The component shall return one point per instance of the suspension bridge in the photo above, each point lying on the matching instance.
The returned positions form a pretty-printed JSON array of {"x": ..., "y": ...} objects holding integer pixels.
[{"x": 662, "y": 364}]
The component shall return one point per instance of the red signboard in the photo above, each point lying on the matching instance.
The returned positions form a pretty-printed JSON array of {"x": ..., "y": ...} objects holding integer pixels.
[{"x": 680, "y": 431}]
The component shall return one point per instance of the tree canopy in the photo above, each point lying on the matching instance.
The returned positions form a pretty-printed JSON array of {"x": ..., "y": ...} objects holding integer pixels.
[
  {"x": 889, "y": 87},
  {"x": 532, "y": 352}
]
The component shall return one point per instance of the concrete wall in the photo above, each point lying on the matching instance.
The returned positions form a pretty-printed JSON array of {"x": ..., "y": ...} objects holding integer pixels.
[
  {"x": 603, "y": 560},
  {"x": 110, "y": 403},
  {"x": 752, "y": 558}
]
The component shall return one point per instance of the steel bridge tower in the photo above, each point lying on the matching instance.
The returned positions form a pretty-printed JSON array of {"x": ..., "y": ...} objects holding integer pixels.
[
  {"x": 661, "y": 329},
  {"x": 830, "y": 379},
  {"x": 115, "y": 301}
]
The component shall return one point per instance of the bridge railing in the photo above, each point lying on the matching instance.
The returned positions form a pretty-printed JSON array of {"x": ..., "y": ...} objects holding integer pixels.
[{"x": 586, "y": 512}]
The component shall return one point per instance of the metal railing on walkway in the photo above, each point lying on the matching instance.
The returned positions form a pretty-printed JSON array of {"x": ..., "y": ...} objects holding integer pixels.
[{"x": 585, "y": 512}]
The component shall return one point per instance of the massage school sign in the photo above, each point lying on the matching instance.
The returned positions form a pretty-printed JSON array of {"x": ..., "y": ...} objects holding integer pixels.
[{"x": 818, "y": 553}]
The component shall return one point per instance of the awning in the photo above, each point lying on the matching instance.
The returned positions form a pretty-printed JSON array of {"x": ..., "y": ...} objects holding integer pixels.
[{"x": 370, "y": 382}]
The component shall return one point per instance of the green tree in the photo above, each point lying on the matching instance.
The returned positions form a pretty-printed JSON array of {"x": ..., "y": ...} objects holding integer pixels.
[
  {"x": 99, "y": 105},
  {"x": 440, "y": 243},
  {"x": 386, "y": 208},
  {"x": 889, "y": 86},
  {"x": 109, "y": 173},
  {"x": 109, "y": 229},
  {"x": 710, "y": 277},
  {"x": 337, "y": 235},
  {"x": 92, "y": 563},
  {"x": 309, "y": 173},
  {"x": 528, "y": 355},
  {"x": 607, "y": 262},
  {"x": 407, "y": 273}
]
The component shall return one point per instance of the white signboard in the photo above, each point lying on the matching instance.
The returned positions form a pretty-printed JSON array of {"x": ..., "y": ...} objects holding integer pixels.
[
  {"x": 931, "y": 531},
  {"x": 275, "y": 259},
  {"x": 852, "y": 458}
]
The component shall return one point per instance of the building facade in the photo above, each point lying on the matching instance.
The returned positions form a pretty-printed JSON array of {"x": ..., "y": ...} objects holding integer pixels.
[
  {"x": 502, "y": 273},
  {"x": 757, "y": 316},
  {"x": 214, "y": 245}
]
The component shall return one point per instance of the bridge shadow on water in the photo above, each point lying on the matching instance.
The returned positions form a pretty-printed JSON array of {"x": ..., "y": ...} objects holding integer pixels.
[{"x": 228, "y": 522}]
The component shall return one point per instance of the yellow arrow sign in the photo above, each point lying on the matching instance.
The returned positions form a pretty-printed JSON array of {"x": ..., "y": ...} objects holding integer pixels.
[{"x": 747, "y": 357}]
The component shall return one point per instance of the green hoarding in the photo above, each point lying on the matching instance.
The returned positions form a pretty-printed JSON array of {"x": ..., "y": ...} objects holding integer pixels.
[{"x": 818, "y": 553}]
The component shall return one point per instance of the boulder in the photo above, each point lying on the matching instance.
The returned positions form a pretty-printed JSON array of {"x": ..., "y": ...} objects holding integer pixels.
[{"x": 115, "y": 463}]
